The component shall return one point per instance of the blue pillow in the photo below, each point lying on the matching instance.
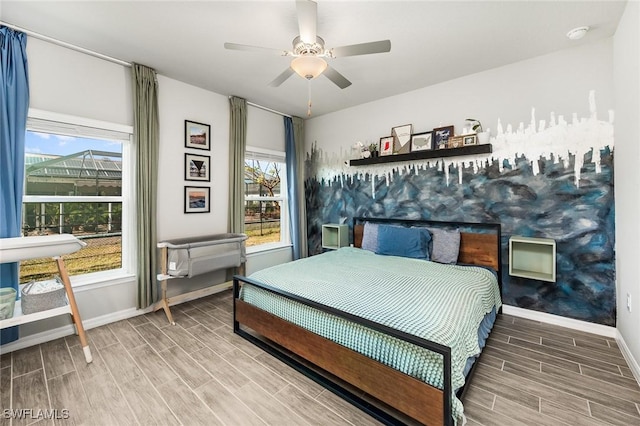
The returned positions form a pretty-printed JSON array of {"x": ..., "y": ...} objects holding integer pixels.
[{"x": 405, "y": 242}]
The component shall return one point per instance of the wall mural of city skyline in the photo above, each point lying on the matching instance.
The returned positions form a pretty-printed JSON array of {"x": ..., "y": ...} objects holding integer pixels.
[{"x": 553, "y": 181}]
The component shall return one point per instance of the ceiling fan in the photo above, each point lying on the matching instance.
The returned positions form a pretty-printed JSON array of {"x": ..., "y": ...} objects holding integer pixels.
[{"x": 309, "y": 52}]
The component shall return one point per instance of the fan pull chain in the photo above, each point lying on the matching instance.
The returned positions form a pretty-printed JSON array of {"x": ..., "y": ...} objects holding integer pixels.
[{"x": 309, "y": 105}]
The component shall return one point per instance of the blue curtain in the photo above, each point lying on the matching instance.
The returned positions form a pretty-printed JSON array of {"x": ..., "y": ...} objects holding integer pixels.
[
  {"x": 292, "y": 187},
  {"x": 14, "y": 106}
]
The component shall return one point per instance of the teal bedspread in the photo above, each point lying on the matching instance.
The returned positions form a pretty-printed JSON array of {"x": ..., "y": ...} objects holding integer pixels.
[{"x": 441, "y": 303}]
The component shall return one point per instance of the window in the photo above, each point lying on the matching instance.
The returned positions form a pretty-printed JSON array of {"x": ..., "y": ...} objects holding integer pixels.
[
  {"x": 266, "y": 216},
  {"x": 76, "y": 182}
]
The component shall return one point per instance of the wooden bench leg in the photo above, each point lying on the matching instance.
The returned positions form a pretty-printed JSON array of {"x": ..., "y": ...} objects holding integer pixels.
[
  {"x": 164, "y": 303},
  {"x": 75, "y": 313}
]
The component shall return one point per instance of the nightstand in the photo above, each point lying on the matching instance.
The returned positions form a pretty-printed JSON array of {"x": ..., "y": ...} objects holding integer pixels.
[
  {"x": 533, "y": 258},
  {"x": 335, "y": 236}
]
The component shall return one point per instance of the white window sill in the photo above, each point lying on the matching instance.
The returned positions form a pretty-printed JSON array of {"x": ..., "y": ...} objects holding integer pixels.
[
  {"x": 101, "y": 279},
  {"x": 262, "y": 248}
]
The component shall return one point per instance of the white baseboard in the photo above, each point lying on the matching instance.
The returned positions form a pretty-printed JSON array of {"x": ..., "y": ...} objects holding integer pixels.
[
  {"x": 587, "y": 327},
  {"x": 68, "y": 330},
  {"x": 626, "y": 353}
]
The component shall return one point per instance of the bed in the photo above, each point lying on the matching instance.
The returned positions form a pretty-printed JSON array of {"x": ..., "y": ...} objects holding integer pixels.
[{"x": 354, "y": 319}]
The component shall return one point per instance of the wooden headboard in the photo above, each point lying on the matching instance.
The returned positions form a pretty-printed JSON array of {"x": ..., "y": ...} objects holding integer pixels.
[{"x": 481, "y": 248}]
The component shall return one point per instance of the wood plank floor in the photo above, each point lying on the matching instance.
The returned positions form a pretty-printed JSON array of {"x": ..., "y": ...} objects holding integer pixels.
[
  {"x": 540, "y": 374},
  {"x": 198, "y": 372}
]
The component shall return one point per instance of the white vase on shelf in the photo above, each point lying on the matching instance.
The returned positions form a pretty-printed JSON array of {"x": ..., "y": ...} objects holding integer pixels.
[{"x": 483, "y": 137}]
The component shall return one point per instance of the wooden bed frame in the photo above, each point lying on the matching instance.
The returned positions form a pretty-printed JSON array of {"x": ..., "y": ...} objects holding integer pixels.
[{"x": 411, "y": 397}]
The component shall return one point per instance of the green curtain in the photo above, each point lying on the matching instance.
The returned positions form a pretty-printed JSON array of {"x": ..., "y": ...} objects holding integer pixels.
[
  {"x": 298, "y": 137},
  {"x": 146, "y": 140},
  {"x": 237, "y": 147}
]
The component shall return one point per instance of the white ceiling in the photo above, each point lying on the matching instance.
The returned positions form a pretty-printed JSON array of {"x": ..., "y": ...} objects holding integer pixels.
[{"x": 431, "y": 41}]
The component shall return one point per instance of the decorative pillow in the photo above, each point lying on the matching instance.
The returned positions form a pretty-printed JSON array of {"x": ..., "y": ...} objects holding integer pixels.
[
  {"x": 445, "y": 245},
  {"x": 370, "y": 237},
  {"x": 405, "y": 242}
]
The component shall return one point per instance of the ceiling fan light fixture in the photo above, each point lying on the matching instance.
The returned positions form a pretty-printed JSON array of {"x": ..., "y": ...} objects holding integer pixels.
[{"x": 309, "y": 67}]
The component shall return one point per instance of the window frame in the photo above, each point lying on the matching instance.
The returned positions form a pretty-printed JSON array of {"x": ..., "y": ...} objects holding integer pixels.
[
  {"x": 263, "y": 154},
  {"x": 128, "y": 266}
]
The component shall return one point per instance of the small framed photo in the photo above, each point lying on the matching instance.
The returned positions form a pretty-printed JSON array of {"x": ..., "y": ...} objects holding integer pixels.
[
  {"x": 469, "y": 140},
  {"x": 422, "y": 141},
  {"x": 197, "y": 199},
  {"x": 441, "y": 136},
  {"x": 197, "y": 135},
  {"x": 401, "y": 138},
  {"x": 386, "y": 145},
  {"x": 196, "y": 167},
  {"x": 454, "y": 142}
]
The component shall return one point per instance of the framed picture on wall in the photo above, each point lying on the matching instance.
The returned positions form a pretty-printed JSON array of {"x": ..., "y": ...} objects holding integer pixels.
[
  {"x": 197, "y": 135},
  {"x": 422, "y": 141},
  {"x": 401, "y": 138},
  {"x": 386, "y": 145},
  {"x": 197, "y": 199},
  {"x": 196, "y": 167},
  {"x": 441, "y": 136}
]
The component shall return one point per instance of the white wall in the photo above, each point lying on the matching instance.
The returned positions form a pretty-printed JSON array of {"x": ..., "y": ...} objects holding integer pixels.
[
  {"x": 265, "y": 129},
  {"x": 179, "y": 102},
  {"x": 559, "y": 82},
  {"x": 68, "y": 82},
  {"x": 626, "y": 62}
]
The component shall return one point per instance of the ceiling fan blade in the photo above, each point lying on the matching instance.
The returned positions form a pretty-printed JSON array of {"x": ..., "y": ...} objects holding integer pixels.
[
  {"x": 337, "y": 78},
  {"x": 282, "y": 77},
  {"x": 248, "y": 48},
  {"x": 381, "y": 46},
  {"x": 307, "y": 20}
]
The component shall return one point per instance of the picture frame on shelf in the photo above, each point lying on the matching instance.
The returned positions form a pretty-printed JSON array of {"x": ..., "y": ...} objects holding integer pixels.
[
  {"x": 196, "y": 167},
  {"x": 454, "y": 142},
  {"x": 197, "y": 135},
  {"x": 197, "y": 199},
  {"x": 386, "y": 145},
  {"x": 468, "y": 140},
  {"x": 422, "y": 141},
  {"x": 441, "y": 136},
  {"x": 402, "y": 138}
]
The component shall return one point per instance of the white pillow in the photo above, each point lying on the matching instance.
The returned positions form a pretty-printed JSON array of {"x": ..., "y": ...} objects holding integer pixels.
[
  {"x": 370, "y": 237},
  {"x": 445, "y": 245}
]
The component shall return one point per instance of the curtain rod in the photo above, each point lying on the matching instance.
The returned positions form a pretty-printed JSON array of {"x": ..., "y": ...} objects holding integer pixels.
[
  {"x": 105, "y": 57},
  {"x": 67, "y": 45},
  {"x": 267, "y": 109}
]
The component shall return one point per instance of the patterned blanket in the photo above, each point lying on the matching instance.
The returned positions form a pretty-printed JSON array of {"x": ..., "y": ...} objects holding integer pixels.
[{"x": 437, "y": 302}]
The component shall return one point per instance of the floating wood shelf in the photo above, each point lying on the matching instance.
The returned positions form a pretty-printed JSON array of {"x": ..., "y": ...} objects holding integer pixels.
[{"x": 423, "y": 155}]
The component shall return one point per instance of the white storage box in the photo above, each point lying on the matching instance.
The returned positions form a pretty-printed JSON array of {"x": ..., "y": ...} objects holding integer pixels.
[{"x": 188, "y": 257}]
